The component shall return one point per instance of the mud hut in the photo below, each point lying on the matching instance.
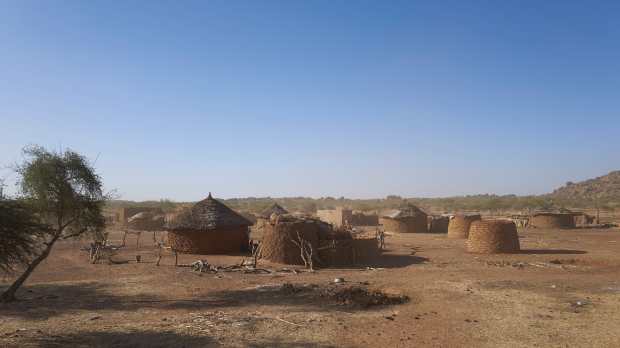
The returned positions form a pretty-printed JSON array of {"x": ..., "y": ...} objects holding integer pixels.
[
  {"x": 209, "y": 227},
  {"x": 458, "y": 228},
  {"x": 408, "y": 219},
  {"x": 493, "y": 237},
  {"x": 281, "y": 232},
  {"x": 439, "y": 224},
  {"x": 552, "y": 220},
  {"x": 348, "y": 251},
  {"x": 332, "y": 247},
  {"x": 582, "y": 219},
  {"x": 359, "y": 218}
]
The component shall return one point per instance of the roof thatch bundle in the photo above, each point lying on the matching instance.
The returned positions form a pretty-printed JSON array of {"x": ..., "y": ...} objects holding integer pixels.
[
  {"x": 208, "y": 214},
  {"x": 275, "y": 208},
  {"x": 146, "y": 221},
  {"x": 493, "y": 237}
]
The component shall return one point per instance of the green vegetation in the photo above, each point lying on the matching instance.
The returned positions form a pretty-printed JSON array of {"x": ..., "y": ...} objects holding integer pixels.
[
  {"x": 602, "y": 192},
  {"x": 20, "y": 229},
  {"x": 63, "y": 192},
  {"x": 492, "y": 203}
]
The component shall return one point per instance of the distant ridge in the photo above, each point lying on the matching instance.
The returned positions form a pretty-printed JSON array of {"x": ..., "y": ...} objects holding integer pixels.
[{"x": 604, "y": 189}]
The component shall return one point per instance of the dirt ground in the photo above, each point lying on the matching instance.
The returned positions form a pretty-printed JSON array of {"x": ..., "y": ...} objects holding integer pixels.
[{"x": 563, "y": 290}]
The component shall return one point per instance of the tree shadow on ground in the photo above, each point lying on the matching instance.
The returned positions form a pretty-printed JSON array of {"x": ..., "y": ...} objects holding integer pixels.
[
  {"x": 43, "y": 301},
  {"x": 152, "y": 339},
  {"x": 551, "y": 251},
  {"x": 136, "y": 339},
  {"x": 386, "y": 261}
]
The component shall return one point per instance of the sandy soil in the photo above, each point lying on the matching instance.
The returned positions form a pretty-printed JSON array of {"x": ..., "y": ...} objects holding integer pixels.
[{"x": 562, "y": 291}]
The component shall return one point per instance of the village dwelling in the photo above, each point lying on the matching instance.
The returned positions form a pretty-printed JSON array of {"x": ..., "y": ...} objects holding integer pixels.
[
  {"x": 209, "y": 227},
  {"x": 438, "y": 224},
  {"x": 407, "y": 219},
  {"x": 328, "y": 246},
  {"x": 552, "y": 220},
  {"x": 336, "y": 217}
]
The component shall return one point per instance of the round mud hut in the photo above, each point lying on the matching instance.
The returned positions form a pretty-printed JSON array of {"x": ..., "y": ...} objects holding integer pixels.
[
  {"x": 438, "y": 224},
  {"x": 552, "y": 220},
  {"x": 282, "y": 233},
  {"x": 458, "y": 227},
  {"x": 493, "y": 237},
  {"x": 409, "y": 219},
  {"x": 209, "y": 227},
  {"x": 331, "y": 247}
]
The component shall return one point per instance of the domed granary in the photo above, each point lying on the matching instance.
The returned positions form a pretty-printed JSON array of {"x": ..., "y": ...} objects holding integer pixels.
[
  {"x": 493, "y": 237},
  {"x": 209, "y": 227},
  {"x": 458, "y": 228}
]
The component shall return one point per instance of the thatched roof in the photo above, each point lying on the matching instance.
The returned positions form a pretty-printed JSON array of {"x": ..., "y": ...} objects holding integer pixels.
[
  {"x": 408, "y": 210},
  {"x": 273, "y": 209},
  {"x": 146, "y": 221},
  {"x": 208, "y": 214}
]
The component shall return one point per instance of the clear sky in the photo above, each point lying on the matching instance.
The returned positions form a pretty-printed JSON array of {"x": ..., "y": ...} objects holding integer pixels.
[{"x": 314, "y": 98}]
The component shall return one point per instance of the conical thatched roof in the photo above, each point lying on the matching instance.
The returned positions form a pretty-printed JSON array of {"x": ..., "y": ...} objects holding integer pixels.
[
  {"x": 208, "y": 214},
  {"x": 273, "y": 209}
]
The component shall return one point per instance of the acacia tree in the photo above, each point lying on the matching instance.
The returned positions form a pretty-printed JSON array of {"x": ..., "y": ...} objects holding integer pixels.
[
  {"x": 65, "y": 192},
  {"x": 20, "y": 233}
]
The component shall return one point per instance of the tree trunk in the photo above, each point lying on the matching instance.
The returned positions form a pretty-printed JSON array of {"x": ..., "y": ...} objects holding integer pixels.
[{"x": 9, "y": 294}]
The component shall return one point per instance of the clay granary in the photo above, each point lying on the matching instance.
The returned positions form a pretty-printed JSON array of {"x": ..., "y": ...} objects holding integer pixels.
[
  {"x": 209, "y": 227},
  {"x": 458, "y": 228},
  {"x": 493, "y": 237}
]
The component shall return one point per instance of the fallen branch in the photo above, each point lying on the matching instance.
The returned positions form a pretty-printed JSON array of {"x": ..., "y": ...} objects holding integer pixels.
[{"x": 288, "y": 322}]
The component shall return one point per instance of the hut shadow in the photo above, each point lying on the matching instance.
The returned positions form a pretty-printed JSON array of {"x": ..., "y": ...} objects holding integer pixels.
[
  {"x": 136, "y": 339},
  {"x": 551, "y": 252}
]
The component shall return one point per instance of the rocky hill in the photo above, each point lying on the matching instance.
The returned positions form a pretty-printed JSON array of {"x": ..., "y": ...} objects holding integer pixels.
[{"x": 604, "y": 189}]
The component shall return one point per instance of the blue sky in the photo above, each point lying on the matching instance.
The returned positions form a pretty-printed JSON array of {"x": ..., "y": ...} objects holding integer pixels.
[{"x": 315, "y": 98}]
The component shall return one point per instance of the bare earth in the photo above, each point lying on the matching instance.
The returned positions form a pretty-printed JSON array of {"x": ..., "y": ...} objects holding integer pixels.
[{"x": 562, "y": 291}]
